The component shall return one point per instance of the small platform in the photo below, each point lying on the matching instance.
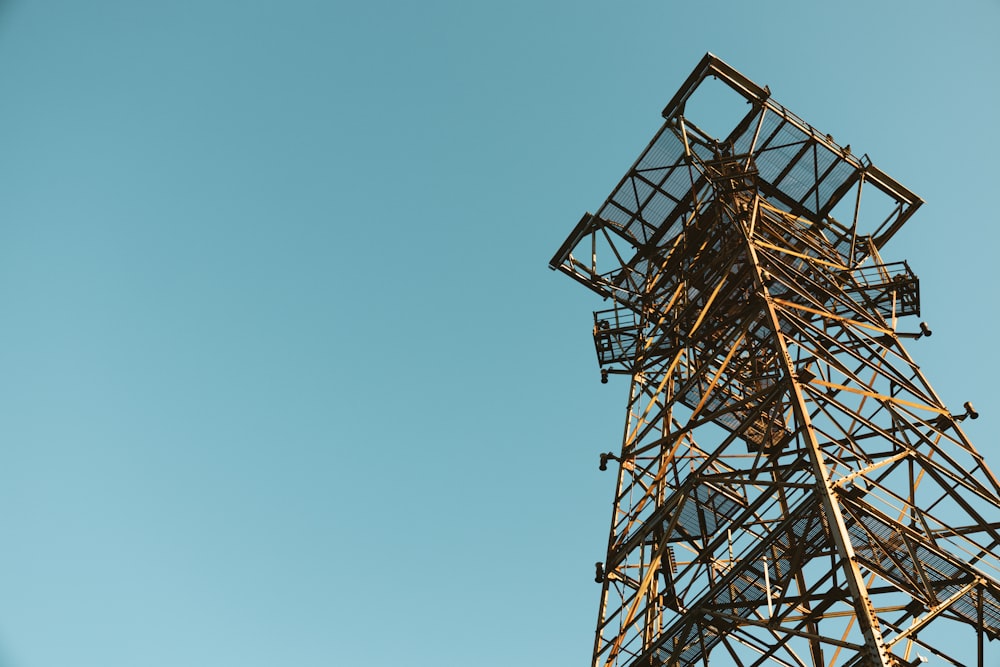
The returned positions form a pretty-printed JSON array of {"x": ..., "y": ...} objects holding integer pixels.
[{"x": 891, "y": 289}]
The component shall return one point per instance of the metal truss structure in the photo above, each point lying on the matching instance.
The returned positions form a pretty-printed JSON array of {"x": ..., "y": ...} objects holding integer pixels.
[{"x": 790, "y": 490}]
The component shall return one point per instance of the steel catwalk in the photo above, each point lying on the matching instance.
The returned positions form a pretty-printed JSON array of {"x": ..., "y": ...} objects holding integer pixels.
[{"x": 790, "y": 489}]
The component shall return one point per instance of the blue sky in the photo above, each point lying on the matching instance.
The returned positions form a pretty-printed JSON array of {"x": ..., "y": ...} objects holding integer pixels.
[{"x": 285, "y": 378}]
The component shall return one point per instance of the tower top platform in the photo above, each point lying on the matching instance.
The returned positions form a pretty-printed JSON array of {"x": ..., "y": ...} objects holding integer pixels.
[{"x": 791, "y": 164}]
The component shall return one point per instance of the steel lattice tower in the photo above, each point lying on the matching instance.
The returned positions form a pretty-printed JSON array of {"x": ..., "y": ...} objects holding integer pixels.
[{"x": 790, "y": 488}]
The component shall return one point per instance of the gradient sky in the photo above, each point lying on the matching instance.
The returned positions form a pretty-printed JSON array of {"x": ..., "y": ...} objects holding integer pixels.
[{"x": 284, "y": 378}]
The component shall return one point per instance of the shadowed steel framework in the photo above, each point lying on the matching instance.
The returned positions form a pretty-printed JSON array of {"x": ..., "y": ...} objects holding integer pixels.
[{"x": 790, "y": 488}]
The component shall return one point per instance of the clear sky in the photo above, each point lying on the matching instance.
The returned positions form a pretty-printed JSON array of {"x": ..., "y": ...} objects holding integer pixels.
[{"x": 284, "y": 378}]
